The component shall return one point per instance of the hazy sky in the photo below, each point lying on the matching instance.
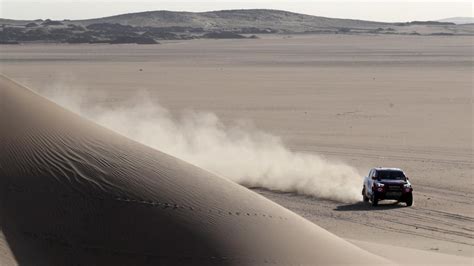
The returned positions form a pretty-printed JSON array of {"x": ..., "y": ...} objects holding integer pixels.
[{"x": 389, "y": 10}]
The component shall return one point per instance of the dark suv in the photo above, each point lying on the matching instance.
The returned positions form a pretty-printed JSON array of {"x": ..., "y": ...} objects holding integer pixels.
[{"x": 387, "y": 183}]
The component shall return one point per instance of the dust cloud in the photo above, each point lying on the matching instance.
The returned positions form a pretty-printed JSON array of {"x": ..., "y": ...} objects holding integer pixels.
[{"x": 238, "y": 151}]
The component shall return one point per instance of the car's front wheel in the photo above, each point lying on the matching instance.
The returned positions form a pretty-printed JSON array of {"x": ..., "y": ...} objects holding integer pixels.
[
  {"x": 374, "y": 200},
  {"x": 409, "y": 199},
  {"x": 364, "y": 195}
]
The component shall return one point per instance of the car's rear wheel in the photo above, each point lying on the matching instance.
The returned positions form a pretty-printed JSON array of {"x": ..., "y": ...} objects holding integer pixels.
[
  {"x": 364, "y": 196},
  {"x": 374, "y": 200},
  {"x": 409, "y": 200}
]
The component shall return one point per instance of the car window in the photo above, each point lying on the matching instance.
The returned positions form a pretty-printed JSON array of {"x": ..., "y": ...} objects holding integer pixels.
[
  {"x": 372, "y": 173},
  {"x": 391, "y": 174}
]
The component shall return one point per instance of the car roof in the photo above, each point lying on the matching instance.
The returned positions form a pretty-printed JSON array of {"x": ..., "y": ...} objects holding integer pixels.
[{"x": 387, "y": 169}]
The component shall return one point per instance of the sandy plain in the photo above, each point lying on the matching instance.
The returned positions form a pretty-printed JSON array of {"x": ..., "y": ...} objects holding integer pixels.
[{"x": 400, "y": 101}]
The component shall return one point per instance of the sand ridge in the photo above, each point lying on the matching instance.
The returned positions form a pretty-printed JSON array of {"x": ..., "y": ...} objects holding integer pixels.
[{"x": 73, "y": 191}]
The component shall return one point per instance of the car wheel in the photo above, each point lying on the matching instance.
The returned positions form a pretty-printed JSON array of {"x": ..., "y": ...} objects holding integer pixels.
[
  {"x": 409, "y": 200},
  {"x": 364, "y": 196},
  {"x": 374, "y": 200}
]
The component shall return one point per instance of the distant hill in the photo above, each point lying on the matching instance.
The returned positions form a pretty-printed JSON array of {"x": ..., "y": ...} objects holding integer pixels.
[
  {"x": 234, "y": 19},
  {"x": 459, "y": 20},
  {"x": 153, "y": 26}
]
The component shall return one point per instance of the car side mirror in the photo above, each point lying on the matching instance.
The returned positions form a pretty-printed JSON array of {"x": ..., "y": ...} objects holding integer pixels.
[
  {"x": 407, "y": 178},
  {"x": 374, "y": 177}
]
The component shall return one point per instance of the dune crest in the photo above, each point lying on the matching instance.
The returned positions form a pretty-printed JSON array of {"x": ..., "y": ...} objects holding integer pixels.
[{"x": 74, "y": 192}]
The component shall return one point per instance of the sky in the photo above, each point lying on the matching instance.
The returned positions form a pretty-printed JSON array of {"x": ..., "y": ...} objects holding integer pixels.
[{"x": 387, "y": 11}]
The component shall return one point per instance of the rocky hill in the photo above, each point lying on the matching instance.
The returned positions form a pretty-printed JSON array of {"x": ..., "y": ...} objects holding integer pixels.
[
  {"x": 282, "y": 21},
  {"x": 150, "y": 27}
]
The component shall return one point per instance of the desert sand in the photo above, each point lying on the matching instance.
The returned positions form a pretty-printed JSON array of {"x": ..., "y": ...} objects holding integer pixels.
[
  {"x": 76, "y": 193},
  {"x": 400, "y": 101}
]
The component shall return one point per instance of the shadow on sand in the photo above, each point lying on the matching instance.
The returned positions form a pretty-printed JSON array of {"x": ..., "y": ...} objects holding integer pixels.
[{"x": 366, "y": 206}]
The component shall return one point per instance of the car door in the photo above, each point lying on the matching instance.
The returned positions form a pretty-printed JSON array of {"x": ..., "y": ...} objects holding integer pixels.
[{"x": 370, "y": 181}]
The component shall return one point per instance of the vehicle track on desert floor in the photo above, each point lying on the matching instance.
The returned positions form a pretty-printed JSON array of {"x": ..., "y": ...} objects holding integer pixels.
[{"x": 420, "y": 226}]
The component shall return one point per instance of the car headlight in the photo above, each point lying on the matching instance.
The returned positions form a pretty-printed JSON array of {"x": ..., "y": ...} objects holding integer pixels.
[
  {"x": 379, "y": 185},
  {"x": 407, "y": 188}
]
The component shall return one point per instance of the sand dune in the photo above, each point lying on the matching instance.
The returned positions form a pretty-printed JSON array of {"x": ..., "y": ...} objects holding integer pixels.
[{"x": 73, "y": 192}]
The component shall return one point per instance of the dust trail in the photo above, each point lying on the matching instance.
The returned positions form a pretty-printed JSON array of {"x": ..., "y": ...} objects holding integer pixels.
[{"x": 238, "y": 151}]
